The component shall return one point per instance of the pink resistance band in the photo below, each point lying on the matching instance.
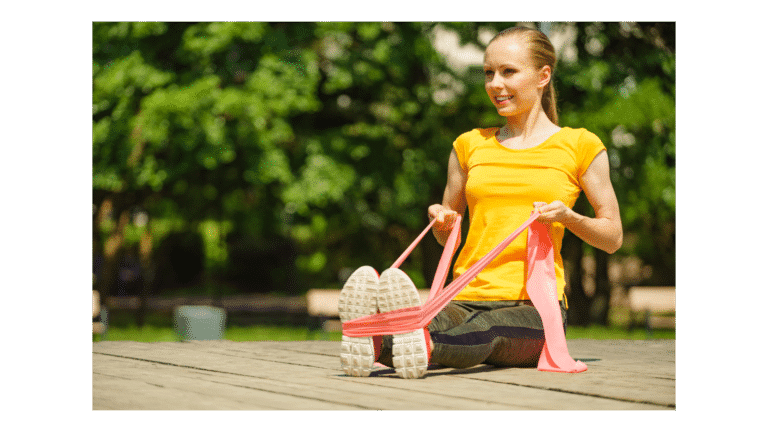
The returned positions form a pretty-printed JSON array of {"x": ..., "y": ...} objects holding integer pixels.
[{"x": 541, "y": 286}]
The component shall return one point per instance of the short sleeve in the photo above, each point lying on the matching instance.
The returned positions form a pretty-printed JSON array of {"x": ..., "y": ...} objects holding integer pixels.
[
  {"x": 460, "y": 145},
  {"x": 589, "y": 147}
]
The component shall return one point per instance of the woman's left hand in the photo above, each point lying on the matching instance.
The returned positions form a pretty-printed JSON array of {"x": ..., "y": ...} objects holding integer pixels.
[{"x": 556, "y": 211}]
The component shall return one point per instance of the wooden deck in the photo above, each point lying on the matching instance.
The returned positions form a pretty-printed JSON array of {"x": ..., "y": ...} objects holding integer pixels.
[{"x": 225, "y": 375}]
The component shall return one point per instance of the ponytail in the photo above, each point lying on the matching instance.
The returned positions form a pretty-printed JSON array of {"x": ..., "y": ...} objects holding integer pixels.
[{"x": 549, "y": 102}]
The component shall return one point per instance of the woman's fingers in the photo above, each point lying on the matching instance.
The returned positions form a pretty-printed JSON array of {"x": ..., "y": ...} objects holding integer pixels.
[
  {"x": 552, "y": 212},
  {"x": 449, "y": 216},
  {"x": 434, "y": 211},
  {"x": 442, "y": 214}
]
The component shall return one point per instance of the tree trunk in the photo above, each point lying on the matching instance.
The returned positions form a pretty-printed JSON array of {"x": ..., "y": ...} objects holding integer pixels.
[
  {"x": 147, "y": 275},
  {"x": 112, "y": 249},
  {"x": 578, "y": 302},
  {"x": 601, "y": 301},
  {"x": 431, "y": 252},
  {"x": 573, "y": 253}
]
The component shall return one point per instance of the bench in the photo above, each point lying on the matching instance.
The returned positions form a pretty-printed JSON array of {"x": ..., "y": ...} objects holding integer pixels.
[
  {"x": 647, "y": 301},
  {"x": 323, "y": 308},
  {"x": 99, "y": 316}
]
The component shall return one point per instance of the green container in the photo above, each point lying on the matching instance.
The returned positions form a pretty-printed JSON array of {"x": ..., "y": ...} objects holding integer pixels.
[{"x": 199, "y": 322}]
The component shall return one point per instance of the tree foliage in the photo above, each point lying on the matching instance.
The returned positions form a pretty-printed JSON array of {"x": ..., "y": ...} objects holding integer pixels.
[{"x": 325, "y": 142}]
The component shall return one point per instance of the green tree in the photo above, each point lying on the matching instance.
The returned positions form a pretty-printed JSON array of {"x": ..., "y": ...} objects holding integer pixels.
[
  {"x": 330, "y": 138},
  {"x": 192, "y": 125},
  {"x": 274, "y": 131},
  {"x": 621, "y": 86}
]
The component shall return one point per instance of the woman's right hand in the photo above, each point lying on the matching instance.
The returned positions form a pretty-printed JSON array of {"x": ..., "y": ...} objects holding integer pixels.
[{"x": 445, "y": 217}]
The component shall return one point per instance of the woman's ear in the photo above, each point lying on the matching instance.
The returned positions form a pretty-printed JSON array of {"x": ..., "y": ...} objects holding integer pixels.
[{"x": 545, "y": 75}]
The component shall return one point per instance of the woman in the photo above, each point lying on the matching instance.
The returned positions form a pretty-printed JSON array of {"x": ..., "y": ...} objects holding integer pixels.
[{"x": 501, "y": 174}]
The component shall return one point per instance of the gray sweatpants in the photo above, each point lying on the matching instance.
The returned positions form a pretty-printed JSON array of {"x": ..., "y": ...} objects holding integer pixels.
[{"x": 500, "y": 333}]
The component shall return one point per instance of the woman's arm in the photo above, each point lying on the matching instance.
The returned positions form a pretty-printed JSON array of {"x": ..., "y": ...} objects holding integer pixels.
[
  {"x": 454, "y": 201},
  {"x": 604, "y": 231}
]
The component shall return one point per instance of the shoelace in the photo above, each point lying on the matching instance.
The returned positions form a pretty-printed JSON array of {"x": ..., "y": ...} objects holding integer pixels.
[{"x": 541, "y": 286}]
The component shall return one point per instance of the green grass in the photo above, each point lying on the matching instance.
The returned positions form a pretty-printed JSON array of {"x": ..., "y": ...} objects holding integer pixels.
[
  {"x": 159, "y": 328},
  {"x": 617, "y": 332},
  {"x": 153, "y": 333}
]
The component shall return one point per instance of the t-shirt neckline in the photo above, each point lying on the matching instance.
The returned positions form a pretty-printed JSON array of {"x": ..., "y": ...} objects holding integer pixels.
[{"x": 496, "y": 140}]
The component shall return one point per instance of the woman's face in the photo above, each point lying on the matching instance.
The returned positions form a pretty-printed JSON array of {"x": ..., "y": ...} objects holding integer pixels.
[{"x": 512, "y": 81}]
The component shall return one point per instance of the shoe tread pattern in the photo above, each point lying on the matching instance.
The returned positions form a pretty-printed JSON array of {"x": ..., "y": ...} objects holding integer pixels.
[
  {"x": 409, "y": 350},
  {"x": 357, "y": 299}
]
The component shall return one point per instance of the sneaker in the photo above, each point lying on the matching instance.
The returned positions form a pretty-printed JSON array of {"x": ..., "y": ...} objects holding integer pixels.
[
  {"x": 358, "y": 299},
  {"x": 410, "y": 354}
]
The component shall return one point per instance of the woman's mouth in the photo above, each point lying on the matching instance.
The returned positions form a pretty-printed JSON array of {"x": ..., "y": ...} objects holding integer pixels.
[{"x": 502, "y": 99}]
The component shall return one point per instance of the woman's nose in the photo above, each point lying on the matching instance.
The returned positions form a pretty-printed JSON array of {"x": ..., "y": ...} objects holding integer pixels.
[{"x": 495, "y": 81}]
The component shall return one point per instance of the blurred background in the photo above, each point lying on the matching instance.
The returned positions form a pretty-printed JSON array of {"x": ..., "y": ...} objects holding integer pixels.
[{"x": 241, "y": 165}]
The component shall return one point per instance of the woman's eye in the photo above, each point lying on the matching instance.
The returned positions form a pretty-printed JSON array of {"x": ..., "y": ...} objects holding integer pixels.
[{"x": 509, "y": 71}]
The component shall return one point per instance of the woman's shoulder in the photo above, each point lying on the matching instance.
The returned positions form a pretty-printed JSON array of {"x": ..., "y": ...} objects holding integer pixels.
[
  {"x": 478, "y": 134},
  {"x": 580, "y": 136},
  {"x": 583, "y": 145}
]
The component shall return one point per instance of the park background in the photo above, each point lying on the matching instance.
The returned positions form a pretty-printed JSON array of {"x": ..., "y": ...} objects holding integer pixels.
[{"x": 272, "y": 158}]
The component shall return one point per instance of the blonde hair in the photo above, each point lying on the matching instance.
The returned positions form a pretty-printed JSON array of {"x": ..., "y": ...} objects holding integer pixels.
[{"x": 543, "y": 54}]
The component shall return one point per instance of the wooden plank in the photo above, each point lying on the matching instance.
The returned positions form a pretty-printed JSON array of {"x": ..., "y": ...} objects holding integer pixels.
[
  {"x": 121, "y": 383},
  {"x": 654, "y": 299},
  {"x": 300, "y": 375},
  {"x": 96, "y": 304},
  {"x": 633, "y": 371},
  {"x": 650, "y": 300},
  {"x": 98, "y": 328},
  {"x": 283, "y": 373}
]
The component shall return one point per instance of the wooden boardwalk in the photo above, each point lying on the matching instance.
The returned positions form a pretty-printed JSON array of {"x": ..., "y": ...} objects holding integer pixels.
[{"x": 225, "y": 375}]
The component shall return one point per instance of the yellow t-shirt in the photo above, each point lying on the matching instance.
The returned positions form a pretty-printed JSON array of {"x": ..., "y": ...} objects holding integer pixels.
[{"x": 502, "y": 185}]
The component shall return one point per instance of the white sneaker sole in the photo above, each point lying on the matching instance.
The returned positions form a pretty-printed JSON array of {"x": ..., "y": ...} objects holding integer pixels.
[
  {"x": 409, "y": 350},
  {"x": 358, "y": 299}
]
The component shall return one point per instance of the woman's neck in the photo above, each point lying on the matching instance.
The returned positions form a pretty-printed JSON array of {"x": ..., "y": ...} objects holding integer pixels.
[
  {"x": 533, "y": 124},
  {"x": 530, "y": 132}
]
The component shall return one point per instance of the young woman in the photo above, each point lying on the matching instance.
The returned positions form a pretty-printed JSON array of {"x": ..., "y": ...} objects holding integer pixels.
[{"x": 501, "y": 174}]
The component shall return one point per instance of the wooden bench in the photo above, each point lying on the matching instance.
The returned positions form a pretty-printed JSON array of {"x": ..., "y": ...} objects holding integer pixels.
[
  {"x": 647, "y": 300},
  {"x": 100, "y": 312},
  {"x": 323, "y": 308}
]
